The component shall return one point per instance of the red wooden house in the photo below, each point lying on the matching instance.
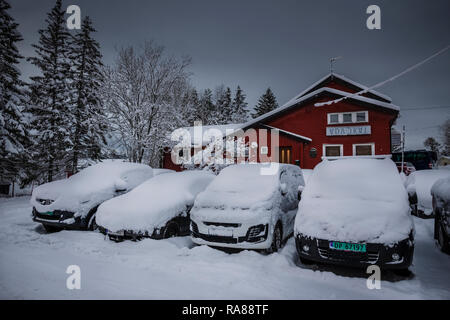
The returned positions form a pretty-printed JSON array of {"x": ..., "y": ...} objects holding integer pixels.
[{"x": 357, "y": 125}]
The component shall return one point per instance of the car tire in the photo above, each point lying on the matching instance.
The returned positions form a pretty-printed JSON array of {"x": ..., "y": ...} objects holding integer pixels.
[
  {"x": 171, "y": 230},
  {"x": 306, "y": 262},
  {"x": 277, "y": 239},
  {"x": 92, "y": 224},
  {"x": 51, "y": 229},
  {"x": 442, "y": 240}
]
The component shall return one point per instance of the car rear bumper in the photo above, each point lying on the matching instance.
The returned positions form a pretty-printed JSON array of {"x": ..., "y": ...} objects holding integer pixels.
[
  {"x": 59, "y": 218},
  {"x": 376, "y": 254}
]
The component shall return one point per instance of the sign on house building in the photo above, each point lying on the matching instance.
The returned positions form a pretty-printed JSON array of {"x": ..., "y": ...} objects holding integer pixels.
[{"x": 348, "y": 131}]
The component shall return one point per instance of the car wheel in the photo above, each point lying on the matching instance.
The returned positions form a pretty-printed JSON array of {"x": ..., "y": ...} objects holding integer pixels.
[
  {"x": 442, "y": 240},
  {"x": 306, "y": 261},
  {"x": 92, "y": 225},
  {"x": 51, "y": 229},
  {"x": 276, "y": 240},
  {"x": 171, "y": 231}
]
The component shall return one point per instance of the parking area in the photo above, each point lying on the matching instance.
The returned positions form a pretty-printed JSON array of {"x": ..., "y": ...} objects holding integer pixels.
[{"x": 33, "y": 265}]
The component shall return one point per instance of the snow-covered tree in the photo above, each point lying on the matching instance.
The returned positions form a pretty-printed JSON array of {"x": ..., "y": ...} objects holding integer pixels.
[
  {"x": 445, "y": 130},
  {"x": 50, "y": 98},
  {"x": 267, "y": 102},
  {"x": 223, "y": 102},
  {"x": 206, "y": 108},
  {"x": 141, "y": 95},
  {"x": 240, "y": 112},
  {"x": 13, "y": 129},
  {"x": 88, "y": 127}
]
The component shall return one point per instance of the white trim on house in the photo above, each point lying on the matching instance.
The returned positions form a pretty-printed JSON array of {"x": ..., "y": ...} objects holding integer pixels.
[
  {"x": 290, "y": 133},
  {"x": 339, "y": 76},
  {"x": 332, "y": 145},
  {"x": 372, "y": 144}
]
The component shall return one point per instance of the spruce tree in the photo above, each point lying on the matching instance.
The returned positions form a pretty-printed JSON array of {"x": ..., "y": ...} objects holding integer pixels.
[
  {"x": 89, "y": 124},
  {"x": 206, "y": 108},
  {"x": 267, "y": 102},
  {"x": 240, "y": 112},
  {"x": 13, "y": 129},
  {"x": 50, "y": 97}
]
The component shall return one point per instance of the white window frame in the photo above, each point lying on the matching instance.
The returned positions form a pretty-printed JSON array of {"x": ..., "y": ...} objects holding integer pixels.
[
  {"x": 372, "y": 144},
  {"x": 341, "y": 117},
  {"x": 341, "y": 147}
]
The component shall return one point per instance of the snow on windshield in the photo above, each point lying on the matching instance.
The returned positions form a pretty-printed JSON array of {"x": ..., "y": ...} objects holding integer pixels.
[{"x": 355, "y": 200}]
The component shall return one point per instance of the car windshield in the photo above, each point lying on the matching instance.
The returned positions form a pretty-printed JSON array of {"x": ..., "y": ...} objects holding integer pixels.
[{"x": 364, "y": 179}]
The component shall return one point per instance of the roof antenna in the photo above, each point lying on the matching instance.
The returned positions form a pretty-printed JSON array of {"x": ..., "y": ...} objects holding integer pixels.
[{"x": 331, "y": 63}]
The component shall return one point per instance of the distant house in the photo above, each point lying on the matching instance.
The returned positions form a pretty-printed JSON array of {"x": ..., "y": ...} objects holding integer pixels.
[{"x": 311, "y": 128}]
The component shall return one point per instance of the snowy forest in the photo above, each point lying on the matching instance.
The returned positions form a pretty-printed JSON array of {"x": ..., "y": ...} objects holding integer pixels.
[{"x": 78, "y": 110}]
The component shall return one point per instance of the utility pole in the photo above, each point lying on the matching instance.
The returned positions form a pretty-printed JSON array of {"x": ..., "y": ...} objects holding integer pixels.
[{"x": 403, "y": 147}]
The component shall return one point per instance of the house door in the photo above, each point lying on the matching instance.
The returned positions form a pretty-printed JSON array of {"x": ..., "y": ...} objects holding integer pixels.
[{"x": 285, "y": 154}]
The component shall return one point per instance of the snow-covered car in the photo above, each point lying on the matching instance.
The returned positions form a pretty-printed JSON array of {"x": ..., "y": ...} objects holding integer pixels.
[
  {"x": 157, "y": 171},
  {"x": 158, "y": 208},
  {"x": 245, "y": 209},
  {"x": 72, "y": 203},
  {"x": 418, "y": 184},
  {"x": 355, "y": 212},
  {"x": 440, "y": 192}
]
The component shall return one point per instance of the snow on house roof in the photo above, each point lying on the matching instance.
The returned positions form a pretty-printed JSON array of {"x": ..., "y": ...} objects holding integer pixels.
[
  {"x": 290, "y": 133},
  {"x": 345, "y": 79},
  {"x": 198, "y": 138},
  {"x": 318, "y": 91}
]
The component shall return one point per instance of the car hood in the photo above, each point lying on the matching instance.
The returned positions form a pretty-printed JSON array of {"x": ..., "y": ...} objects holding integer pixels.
[{"x": 354, "y": 220}]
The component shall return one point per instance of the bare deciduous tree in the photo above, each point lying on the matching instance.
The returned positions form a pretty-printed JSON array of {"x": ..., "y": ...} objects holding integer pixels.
[{"x": 143, "y": 94}]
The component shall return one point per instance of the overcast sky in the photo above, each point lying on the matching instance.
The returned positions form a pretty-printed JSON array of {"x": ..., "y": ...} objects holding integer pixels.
[{"x": 284, "y": 44}]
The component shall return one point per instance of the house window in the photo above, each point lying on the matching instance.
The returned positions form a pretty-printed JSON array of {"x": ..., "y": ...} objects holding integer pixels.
[
  {"x": 361, "y": 116},
  {"x": 285, "y": 154},
  {"x": 364, "y": 149},
  {"x": 348, "y": 117},
  {"x": 334, "y": 118},
  {"x": 333, "y": 150}
]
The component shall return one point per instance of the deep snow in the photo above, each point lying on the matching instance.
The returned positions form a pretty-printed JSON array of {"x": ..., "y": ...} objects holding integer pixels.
[{"x": 33, "y": 266}]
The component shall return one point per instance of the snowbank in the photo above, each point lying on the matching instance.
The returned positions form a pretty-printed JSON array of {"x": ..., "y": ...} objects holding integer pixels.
[
  {"x": 441, "y": 189},
  {"x": 90, "y": 187},
  {"x": 157, "y": 172},
  {"x": 241, "y": 190},
  {"x": 306, "y": 174},
  {"x": 153, "y": 203},
  {"x": 355, "y": 200},
  {"x": 420, "y": 183}
]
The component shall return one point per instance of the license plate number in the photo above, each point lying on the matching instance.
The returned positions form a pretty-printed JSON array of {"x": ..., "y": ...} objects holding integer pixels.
[
  {"x": 344, "y": 246},
  {"x": 220, "y": 232},
  {"x": 48, "y": 213}
]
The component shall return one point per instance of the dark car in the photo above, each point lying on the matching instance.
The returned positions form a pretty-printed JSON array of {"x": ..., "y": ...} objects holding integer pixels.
[
  {"x": 441, "y": 208},
  {"x": 355, "y": 212},
  {"x": 72, "y": 203}
]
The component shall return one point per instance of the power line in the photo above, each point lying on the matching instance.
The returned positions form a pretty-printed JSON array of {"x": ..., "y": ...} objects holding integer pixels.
[
  {"x": 387, "y": 80},
  {"x": 423, "y": 108}
]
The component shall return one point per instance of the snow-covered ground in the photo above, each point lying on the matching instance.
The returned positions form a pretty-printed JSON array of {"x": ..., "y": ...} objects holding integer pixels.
[{"x": 33, "y": 266}]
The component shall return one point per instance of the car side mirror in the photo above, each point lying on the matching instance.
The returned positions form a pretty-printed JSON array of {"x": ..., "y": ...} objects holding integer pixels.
[
  {"x": 412, "y": 198},
  {"x": 300, "y": 191},
  {"x": 283, "y": 189}
]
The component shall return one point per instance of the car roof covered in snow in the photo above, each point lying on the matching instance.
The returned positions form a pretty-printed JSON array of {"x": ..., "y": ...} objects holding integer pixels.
[
  {"x": 154, "y": 202},
  {"x": 355, "y": 200},
  {"x": 441, "y": 189},
  {"x": 243, "y": 185},
  {"x": 91, "y": 185}
]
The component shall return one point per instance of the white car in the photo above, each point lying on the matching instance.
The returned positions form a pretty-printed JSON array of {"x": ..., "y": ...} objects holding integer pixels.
[
  {"x": 418, "y": 184},
  {"x": 158, "y": 208},
  {"x": 245, "y": 209},
  {"x": 355, "y": 212},
  {"x": 72, "y": 203}
]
